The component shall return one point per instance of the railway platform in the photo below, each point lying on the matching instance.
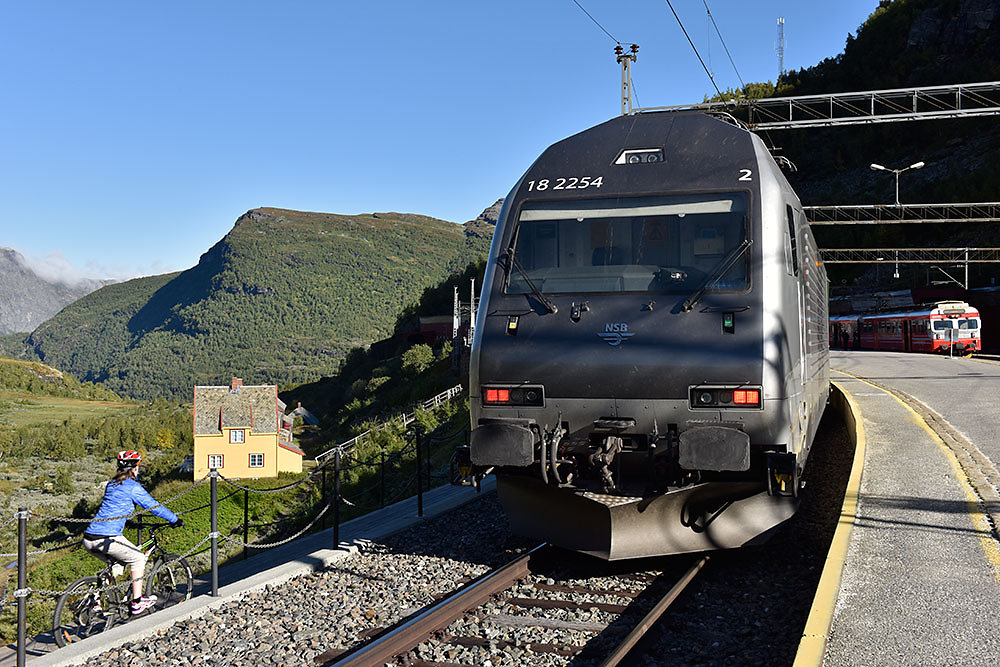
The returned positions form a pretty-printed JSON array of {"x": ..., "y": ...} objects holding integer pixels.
[{"x": 913, "y": 575}]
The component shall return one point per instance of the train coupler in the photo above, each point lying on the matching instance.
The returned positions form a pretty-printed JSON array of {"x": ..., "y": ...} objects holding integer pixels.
[
  {"x": 602, "y": 458},
  {"x": 782, "y": 475}
]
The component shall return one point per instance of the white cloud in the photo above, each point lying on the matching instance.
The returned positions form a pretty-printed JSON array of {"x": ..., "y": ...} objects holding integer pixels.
[{"x": 54, "y": 267}]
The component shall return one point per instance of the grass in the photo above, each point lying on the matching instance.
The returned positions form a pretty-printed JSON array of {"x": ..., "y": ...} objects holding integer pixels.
[{"x": 17, "y": 409}]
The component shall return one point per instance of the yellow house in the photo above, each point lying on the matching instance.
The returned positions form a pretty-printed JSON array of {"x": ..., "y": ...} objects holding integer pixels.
[{"x": 242, "y": 431}]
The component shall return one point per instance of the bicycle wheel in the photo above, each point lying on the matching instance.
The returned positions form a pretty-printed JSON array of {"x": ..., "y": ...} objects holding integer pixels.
[
  {"x": 82, "y": 611},
  {"x": 170, "y": 580}
]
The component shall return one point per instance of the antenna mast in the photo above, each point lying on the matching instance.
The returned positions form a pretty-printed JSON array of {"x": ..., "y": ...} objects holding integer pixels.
[
  {"x": 626, "y": 60},
  {"x": 780, "y": 49}
]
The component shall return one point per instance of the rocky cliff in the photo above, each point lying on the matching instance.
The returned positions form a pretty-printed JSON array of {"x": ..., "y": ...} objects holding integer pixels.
[{"x": 27, "y": 299}]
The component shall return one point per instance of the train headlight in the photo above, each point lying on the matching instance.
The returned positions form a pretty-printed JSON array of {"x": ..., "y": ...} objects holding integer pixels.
[
  {"x": 706, "y": 398},
  {"x": 640, "y": 156},
  {"x": 519, "y": 395}
]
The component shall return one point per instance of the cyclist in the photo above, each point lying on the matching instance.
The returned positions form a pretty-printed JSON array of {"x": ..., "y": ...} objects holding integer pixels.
[{"x": 104, "y": 539}]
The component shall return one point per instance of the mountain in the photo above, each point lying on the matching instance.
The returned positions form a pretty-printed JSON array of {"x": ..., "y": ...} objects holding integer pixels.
[
  {"x": 27, "y": 299},
  {"x": 280, "y": 299}
]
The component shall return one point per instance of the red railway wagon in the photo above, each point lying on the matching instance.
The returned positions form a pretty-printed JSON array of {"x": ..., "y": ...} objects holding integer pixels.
[
  {"x": 844, "y": 331},
  {"x": 938, "y": 327}
]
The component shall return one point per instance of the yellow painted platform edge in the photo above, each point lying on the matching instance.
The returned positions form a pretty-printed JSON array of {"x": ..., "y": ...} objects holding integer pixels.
[{"x": 812, "y": 645}]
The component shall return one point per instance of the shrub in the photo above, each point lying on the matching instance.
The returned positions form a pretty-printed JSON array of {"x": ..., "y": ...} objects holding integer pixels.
[{"x": 63, "y": 483}]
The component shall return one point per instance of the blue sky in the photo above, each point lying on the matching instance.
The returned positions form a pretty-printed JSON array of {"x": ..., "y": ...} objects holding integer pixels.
[{"x": 133, "y": 134}]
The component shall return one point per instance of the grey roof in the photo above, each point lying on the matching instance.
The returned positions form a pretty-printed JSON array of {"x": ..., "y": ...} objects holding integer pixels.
[{"x": 216, "y": 408}]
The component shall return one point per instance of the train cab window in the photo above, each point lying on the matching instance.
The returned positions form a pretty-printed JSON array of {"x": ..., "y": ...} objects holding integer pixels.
[
  {"x": 968, "y": 324},
  {"x": 791, "y": 247},
  {"x": 637, "y": 244},
  {"x": 942, "y": 325}
]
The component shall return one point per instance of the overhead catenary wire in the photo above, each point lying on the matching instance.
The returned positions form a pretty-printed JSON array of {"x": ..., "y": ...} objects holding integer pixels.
[
  {"x": 719, "y": 33},
  {"x": 614, "y": 39},
  {"x": 596, "y": 22},
  {"x": 693, "y": 47}
]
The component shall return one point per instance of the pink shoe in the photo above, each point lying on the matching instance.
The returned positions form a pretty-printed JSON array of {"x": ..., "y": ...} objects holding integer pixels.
[{"x": 143, "y": 603}]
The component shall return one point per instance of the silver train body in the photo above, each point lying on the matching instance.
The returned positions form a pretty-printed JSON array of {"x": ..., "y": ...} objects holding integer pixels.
[{"x": 650, "y": 361}]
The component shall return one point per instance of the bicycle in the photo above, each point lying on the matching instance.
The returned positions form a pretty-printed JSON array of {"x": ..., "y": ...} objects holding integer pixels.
[{"x": 97, "y": 603}]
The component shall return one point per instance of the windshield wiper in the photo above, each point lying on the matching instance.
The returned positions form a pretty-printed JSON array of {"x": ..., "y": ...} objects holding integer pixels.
[
  {"x": 512, "y": 260},
  {"x": 716, "y": 274}
]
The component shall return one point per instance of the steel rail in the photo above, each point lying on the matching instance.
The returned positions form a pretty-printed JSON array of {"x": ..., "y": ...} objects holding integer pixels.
[
  {"x": 412, "y": 631},
  {"x": 640, "y": 630}
]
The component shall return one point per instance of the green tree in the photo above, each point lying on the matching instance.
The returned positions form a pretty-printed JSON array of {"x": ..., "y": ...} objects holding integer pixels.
[{"x": 417, "y": 359}]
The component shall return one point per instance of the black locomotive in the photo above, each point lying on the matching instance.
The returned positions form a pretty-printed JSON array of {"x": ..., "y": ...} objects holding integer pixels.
[{"x": 650, "y": 359}]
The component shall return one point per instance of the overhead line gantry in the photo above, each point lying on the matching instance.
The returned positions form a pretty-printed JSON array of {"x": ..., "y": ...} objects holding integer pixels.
[
  {"x": 903, "y": 214},
  {"x": 858, "y": 108}
]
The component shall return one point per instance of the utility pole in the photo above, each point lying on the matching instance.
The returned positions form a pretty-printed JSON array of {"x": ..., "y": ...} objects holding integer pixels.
[
  {"x": 626, "y": 60},
  {"x": 472, "y": 311},
  {"x": 780, "y": 48}
]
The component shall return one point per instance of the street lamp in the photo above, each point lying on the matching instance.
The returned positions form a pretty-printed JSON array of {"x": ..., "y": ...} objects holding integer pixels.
[{"x": 878, "y": 167}]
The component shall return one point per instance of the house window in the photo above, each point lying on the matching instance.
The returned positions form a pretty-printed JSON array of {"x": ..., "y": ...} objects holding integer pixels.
[
  {"x": 236, "y": 436},
  {"x": 256, "y": 460},
  {"x": 215, "y": 461}
]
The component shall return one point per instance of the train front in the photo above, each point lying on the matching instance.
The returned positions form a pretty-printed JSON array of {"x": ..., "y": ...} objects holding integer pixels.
[{"x": 630, "y": 365}]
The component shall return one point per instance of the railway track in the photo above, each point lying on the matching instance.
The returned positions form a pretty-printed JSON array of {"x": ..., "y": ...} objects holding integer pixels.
[{"x": 535, "y": 606}]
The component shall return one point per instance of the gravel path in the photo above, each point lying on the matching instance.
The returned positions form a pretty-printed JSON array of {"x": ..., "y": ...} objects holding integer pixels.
[{"x": 749, "y": 606}]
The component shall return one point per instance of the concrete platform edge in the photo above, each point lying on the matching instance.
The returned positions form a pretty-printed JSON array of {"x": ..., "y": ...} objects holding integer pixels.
[
  {"x": 812, "y": 645},
  {"x": 200, "y": 605}
]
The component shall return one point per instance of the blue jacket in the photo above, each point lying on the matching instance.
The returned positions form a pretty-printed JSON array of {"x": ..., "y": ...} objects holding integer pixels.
[{"x": 121, "y": 499}]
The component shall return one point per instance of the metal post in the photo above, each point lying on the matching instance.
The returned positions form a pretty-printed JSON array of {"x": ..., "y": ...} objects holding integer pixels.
[
  {"x": 336, "y": 499},
  {"x": 325, "y": 498},
  {"x": 428, "y": 455},
  {"x": 215, "y": 531},
  {"x": 138, "y": 531},
  {"x": 626, "y": 60},
  {"x": 966, "y": 285},
  {"x": 22, "y": 584},
  {"x": 246, "y": 522},
  {"x": 381, "y": 487},
  {"x": 420, "y": 481}
]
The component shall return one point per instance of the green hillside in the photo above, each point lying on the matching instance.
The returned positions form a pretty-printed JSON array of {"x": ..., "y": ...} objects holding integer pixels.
[{"x": 280, "y": 299}]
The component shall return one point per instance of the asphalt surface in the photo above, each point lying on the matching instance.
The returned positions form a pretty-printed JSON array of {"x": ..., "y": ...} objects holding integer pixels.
[{"x": 922, "y": 580}]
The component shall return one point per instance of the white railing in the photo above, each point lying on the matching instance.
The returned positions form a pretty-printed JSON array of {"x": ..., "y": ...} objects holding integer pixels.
[{"x": 406, "y": 419}]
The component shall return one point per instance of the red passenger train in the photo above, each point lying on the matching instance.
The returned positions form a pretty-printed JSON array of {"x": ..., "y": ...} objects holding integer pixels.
[{"x": 940, "y": 327}]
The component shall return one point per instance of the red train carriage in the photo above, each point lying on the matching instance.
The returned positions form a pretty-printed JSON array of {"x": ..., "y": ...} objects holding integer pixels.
[
  {"x": 844, "y": 331},
  {"x": 936, "y": 327}
]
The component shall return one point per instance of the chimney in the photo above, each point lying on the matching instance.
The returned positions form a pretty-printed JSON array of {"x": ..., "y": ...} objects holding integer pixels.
[{"x": 235, "y": 386}]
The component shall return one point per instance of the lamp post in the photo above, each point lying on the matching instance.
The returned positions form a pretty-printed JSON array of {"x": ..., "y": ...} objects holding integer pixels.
[{"x": 897, "y": 172}]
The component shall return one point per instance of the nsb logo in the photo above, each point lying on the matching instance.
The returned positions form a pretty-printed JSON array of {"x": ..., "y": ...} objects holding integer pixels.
[{"x": 615, "y": 333}]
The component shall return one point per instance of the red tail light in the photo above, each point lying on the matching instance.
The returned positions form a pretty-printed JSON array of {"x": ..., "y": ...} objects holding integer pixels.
[
  {"x": 526, "y": 395},
  {"x": 498, "y": 395},
  {"x": 725, "y": 396}
]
